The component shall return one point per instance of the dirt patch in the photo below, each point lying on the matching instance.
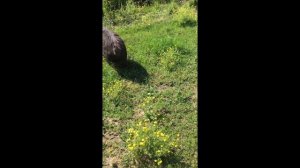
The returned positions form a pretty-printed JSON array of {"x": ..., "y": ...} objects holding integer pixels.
[
  {"x": 163, "y": 87},
  {"x": 112, "y": 162},
  {"x": 138, "y": 113},
  {"x": 112, "y": 121},
  {"x": 110, "y": 138},
  {"x": 112, "y": 153},
  {"x": 195, "y": 97},
  {"x": 112, "y": 145}
]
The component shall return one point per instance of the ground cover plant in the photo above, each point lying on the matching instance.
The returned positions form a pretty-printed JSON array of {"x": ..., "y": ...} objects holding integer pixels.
[{"x": 150, "y": 108}]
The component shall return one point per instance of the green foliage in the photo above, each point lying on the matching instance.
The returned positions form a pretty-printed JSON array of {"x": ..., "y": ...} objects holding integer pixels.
[
  {"x": 111, "y": 5},
  {"x": 170, "y": 59},
  {"x": 149, "y": 146},
  {"x": 186, "y": 16},
  {"x": 161, "y": 45}
]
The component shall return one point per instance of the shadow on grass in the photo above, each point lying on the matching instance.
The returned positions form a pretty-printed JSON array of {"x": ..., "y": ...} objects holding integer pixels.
[
  {"x": 134, "y": 72},
  {"x": 188, "y": 23},
  {"x": 171, "y": 161},
  {"x": 175, "y": 161},
  {"x": 183, "y": 51}
]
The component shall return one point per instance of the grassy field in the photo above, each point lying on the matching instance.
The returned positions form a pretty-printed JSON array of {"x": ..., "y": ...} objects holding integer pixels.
[{"x": 159, "y": 85}]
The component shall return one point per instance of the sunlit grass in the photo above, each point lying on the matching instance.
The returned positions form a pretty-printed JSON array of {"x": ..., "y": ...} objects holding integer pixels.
[{"x": 161, "y": 40}]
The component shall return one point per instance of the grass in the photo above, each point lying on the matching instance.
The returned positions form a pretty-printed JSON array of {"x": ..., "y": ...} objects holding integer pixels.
[{"x": 160, "y": 84}]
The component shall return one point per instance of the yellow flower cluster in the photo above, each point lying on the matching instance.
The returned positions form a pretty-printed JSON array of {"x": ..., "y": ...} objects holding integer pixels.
[
  {"x": 142, "y": 143},
  {"x": 131, "y": 146},
  {"x": 161, "y": 135},
  {"x": 114, "y": 89},
  {"x": 186, "y": 12},
  {"x": 159, "y": 161},
  {"x": 174, "y": 144},
  {"x": 130, "y": 130},
  {"x": 145, "y": 139},
  {"x": 145, "y": 129},
  {"x": 147, "y": 100},
  {"x": 133, "y": 132}
]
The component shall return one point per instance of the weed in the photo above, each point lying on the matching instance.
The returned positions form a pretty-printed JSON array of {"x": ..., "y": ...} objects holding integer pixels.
[
  {"x": 159, "y": 85},
  {"x": 149, "y": 146}
]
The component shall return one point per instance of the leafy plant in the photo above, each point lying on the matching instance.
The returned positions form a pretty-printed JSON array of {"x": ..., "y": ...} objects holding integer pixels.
[
  {"x": 167, "y": 51},
  {"x": 149, "y": 146},
  {"x": 186, "y": 15},
  {"x": 110, "y": 5},
  {"x": 170, "y": 59}
]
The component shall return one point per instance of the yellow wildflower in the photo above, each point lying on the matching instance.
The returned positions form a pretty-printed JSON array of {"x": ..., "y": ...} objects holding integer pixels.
[
  {"x": 130, "y": 130},
  {"x": 159, "y": 162},
  {"x": 145, "y": 129},
  {"x": 130, "y": 148}
]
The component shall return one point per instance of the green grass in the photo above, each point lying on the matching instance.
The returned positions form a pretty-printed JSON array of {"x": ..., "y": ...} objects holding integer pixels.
[{"x": 161, "y": 43}]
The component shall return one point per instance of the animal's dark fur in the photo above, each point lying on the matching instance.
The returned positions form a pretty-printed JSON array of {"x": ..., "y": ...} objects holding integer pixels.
[{"x": 113, "y": 48}]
